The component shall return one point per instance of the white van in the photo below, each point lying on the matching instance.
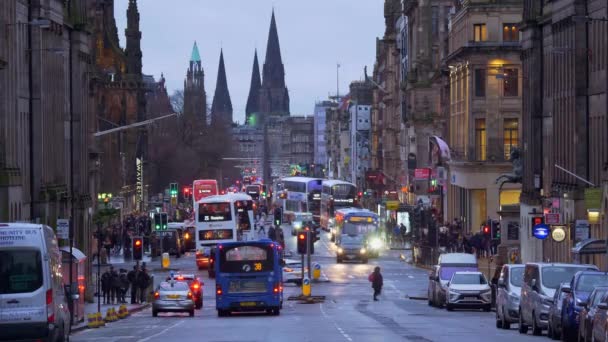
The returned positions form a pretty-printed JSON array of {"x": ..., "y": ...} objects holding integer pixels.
[{"x": 33, "y": 302}]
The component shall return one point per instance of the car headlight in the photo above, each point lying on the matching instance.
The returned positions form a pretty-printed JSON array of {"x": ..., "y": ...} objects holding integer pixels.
[
  {"x": 363, "y": 251},
  {"x": 340, "y": 250},
  {"x": 547, "y": 301},
  {"x": 376, "y": 243}
]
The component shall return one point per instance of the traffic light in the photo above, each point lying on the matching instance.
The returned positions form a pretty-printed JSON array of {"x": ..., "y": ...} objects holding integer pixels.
[
  {"x": 278, "y": 216},
  {"x": 157, "y": 222},
  {"x": 496, "y": 230},
  {"x": 164, "y": 219},
  {"x": 303, "y": 242},
  {"x": 173, "y": 190},
  {"x": 537, "y": 220},
  {"x": 186, "y": 192},
  {"x": 138, "y": 248},
  {"x": 486, "y": 230},
  {"x": 360, "y": 194}
]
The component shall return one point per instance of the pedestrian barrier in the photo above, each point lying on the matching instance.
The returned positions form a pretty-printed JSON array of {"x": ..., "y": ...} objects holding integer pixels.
[
  {"x": 99, "y": 319},
  {"x": 92, "y": 321},
  {"x": 316, "y": 273},
  {"x": 123, "y": 312}
]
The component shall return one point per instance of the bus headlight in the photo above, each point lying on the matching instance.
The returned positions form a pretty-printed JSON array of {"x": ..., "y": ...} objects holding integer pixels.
[
  {"x": 376, "y": 243},
  {"x": 340, "y": 250},
  {"x": 363, "y": 251}
]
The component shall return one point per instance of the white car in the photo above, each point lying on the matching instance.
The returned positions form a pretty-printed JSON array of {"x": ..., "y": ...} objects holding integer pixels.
[
  {"x": 469, "y": 290},
  {"x": 292, "y": 271}
]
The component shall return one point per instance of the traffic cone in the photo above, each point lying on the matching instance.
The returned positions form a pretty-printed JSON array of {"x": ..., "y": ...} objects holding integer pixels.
[
  {"x": 114, "y": 315},
  {"x": 100, "y": 321},
  {"x": 92, "y": 321},
  {"x": 123, "y": 312},
  {"x": 109, "y": 317}
]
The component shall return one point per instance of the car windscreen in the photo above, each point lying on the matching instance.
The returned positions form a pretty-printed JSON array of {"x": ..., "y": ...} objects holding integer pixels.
[
  {"x": 553, "y": 276},
  {"x": 447, "y": 271},
  {"x": 517, "y": 276},
  {"x": 214, "y": 212},
  {"x": 246, "y": 259},
  {"x": 20, "y": 271},
  {"x": 176, "y": 286},
  {"x": 469, "y": 279},
  {"x": 588, "y": 282}
]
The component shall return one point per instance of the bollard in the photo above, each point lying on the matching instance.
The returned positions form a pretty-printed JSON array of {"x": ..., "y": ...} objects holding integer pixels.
[
  {"x": 316, "y": 271},
  {"x": 306, "y": 287},
  {"x": 166, "y": 261}
]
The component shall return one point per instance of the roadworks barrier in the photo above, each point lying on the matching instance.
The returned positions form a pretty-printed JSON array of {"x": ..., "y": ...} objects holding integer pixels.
[
  {"x": 99, "y": 319},
  {"x": 92, "y": 321},
  {"x": 123, "y": 312},
  {"x": 111, "y": 315}
]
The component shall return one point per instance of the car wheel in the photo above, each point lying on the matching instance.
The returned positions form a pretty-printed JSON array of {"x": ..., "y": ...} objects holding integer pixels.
[
  {"x": 449, "y": 307},
  {"x": 487, "y": 308},
  {"x": 536, "y": 330},
  {"x": 269, "y": 311},
  {"x": 523, "y": 328},
  {"x": 430, "y": 299},
  {"x": 154, "y": 313},
  {"x": 191, "y": 313}
]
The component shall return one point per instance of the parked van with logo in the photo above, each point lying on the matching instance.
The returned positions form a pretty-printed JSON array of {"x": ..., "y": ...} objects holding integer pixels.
[
  {"x": 33, "y": 302},
  {"x": 448, "y": 264}
]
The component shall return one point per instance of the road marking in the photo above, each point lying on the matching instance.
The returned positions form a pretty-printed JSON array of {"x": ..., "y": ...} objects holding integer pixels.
[
  {"x": 342, "y": 332},
  {"x": 162, "y": 332}
]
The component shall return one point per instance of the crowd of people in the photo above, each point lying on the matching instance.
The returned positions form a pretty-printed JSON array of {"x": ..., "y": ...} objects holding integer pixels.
[{"x": 115, "y": 285}]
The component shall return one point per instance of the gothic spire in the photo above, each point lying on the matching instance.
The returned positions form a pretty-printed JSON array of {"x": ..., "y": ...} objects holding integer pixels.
[
  {"x": 253, "y": 101},
  {"x": 274, "y": 73},
  {"x": 221, "y": 107},
  {"x": 133, "y": 37},
  {"x": 195, "y": 57}
]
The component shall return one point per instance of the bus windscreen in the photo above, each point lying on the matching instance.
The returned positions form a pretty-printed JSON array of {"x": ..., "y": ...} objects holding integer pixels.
[
  {"x": 246, "y": 259},
  {"x": 214, "y": 212}
]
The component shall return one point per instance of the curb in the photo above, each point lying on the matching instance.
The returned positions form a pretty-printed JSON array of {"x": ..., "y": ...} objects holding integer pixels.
[{"x": 135, "y": 310}]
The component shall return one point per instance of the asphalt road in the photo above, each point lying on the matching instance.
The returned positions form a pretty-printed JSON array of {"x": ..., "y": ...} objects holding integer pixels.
[{"x": 348, "y": 313}]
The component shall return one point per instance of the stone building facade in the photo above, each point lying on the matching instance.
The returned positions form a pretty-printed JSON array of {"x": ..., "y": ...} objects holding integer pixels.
[
  {"x": 564, "y": 123},
  {"x": 485, "y": 109}
]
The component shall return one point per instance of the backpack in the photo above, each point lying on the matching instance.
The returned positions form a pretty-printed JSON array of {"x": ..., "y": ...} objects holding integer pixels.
[{"x": 371, "y": 277}]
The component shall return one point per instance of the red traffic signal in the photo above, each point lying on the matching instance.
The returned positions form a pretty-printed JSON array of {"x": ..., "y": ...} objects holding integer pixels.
[
  {"x": 360, "y": 194},
  {"x": 486, "y": 230},
  {"x": 537, "y": 220},
  {"x": 137, "y": 243},
  {"x": 301, "y": 236}
]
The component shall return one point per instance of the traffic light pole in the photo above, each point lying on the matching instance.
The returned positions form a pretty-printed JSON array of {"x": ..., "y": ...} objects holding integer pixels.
[{"x": 308, "y": 249}]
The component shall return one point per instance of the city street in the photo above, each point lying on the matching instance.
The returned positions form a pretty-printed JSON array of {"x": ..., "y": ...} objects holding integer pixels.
[{"x": 348, "y": 313}]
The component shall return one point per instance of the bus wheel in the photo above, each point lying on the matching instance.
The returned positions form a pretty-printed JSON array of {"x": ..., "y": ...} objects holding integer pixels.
[
  {"x": 269, "y": 311},
  {"x": 276, "y": 312},
  {"x": 222, "y": 313}
]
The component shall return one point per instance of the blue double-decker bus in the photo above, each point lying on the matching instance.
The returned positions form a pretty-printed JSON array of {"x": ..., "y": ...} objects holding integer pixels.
[{"x": 249, "y": 277}]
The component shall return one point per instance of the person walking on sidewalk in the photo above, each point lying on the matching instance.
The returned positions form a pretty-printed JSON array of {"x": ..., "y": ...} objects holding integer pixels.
[
  {"x": 143, "y": 281},
  {"x": 106, "y": 286},
  {"x": 114, "y": 285},
  {"x": 376, "y": 279},
  {"x": 132, "y": 277}
]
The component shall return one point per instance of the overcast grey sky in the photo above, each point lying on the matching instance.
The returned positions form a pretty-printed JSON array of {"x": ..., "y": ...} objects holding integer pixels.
[{"x": 314, "y": 36}]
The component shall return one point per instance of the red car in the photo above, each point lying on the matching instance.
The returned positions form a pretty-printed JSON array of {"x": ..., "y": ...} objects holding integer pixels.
[
  {"x": 196, "y": 287},
  {"x": 203, "y": 258}
]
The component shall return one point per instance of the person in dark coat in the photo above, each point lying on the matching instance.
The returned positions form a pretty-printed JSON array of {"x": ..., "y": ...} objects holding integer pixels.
[
  {"x": 132, "y": 277},
  {"x": 124, "y": 286},
  {"x": 377, "y": 282},
  {"x": 115, "y": 285},
  {"x": 106, "y": 284},
  {"x": 143, "y": 281}
]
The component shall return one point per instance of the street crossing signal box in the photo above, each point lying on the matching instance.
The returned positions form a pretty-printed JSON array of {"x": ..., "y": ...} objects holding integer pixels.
[
  {"x": 278, "y": 216},
  {"x": 138, "y": 248},
  {"x": 303, "y": 242}
]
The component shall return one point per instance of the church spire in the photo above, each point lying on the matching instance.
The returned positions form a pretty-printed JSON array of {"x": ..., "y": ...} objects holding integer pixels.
[
  {"x": 195, "y": 97},
  {"x": 133, "y": 37},
  {"x": 274, "y": 73},
  {"x": 195, "y": 57},
  {"x": 253, "y": 101},
  {"x": 221, "y": 107}
]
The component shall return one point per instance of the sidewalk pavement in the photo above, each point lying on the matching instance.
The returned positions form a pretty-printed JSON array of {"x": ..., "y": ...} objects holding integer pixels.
[{"x": 92, "y": 308}]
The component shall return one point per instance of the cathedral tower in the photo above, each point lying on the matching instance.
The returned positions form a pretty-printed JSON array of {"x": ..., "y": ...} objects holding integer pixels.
[
  {"x": 195, "y": 97},
  {"x": 274, "y": 97},
  {"x": 253, "y": 101},
  {"x": 221, "y": 107}
]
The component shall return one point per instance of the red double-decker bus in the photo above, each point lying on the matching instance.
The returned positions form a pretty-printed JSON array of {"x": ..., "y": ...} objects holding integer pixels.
[{"x": 202, "y": 188}]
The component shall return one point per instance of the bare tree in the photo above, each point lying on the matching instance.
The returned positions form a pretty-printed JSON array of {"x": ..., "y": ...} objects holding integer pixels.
[{"x": 177, "y": 101}]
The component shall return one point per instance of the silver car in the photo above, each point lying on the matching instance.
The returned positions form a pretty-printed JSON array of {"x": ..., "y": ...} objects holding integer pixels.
[
  {"x": 173, "y": 296},
  {"x": 508, "y": 295}
]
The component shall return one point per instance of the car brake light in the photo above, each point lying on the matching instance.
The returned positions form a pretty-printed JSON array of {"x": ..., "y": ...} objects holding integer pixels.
[
  {"x": 50, "y": 318},
  {"x": 196, "y": 286},
  {"x": 277, "y": 288},
  {"x": 156, "y": 295},
  {"x": 218, "y": 289},
  {"x": 189, "y": 294}
]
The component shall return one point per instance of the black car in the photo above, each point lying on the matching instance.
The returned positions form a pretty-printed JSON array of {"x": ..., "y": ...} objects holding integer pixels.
[{"x": 352, "y": 247}]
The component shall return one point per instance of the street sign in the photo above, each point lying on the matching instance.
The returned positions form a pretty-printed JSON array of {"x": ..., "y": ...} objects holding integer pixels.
[
  {"x": 422, "y": 173},
  {"x": 558, "y": 233},
  {"x": 552, "y": 218},
  {"x": 540, "y": 231},
  {"x": 63, "y": 229},
  {"x": 582, "y": 229}
]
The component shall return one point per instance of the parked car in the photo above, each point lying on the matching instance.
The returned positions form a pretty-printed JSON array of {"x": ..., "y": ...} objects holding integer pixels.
[
  {"x": 448, "y": 264},
  {"x": 581, "y": 286},
  {"x": 508, "y": 294},
  {"x": 599, "y": 326},
  {"x": 469, "y": 290},
  {"x": 33, "y": 300},
  {"x": 554, "y": 325},
  {"x": 585, "y": 326},
  {"x": 541, "y": 280}
]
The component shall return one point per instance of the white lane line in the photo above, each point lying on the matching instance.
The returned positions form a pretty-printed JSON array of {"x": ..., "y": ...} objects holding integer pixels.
[
  {"x": 344, "y": 334},
  {"x": 162, "y": 332}
]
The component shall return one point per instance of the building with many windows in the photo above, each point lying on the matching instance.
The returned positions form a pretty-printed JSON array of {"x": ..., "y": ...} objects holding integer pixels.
[
  {"x": 320, "y": 147},
  {"x": 485, "y": 104}
]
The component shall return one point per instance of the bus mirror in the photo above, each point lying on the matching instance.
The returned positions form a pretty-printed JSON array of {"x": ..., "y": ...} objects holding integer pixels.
[{"x": 282, "y": 262}]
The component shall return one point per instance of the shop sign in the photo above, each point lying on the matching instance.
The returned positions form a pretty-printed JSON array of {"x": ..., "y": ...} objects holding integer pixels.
[
  {"x": 392, "y": 205},
  {"x": 558, "y": 233},
  {"x": 593, "y": 198},
  {"x": 422, "y": 173}
]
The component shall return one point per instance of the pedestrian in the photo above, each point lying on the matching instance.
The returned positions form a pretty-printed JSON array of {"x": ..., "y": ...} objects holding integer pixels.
[
  {"x": 114, "y": 285},
  {"x": 376, "y": 279},
  {"x": 106, "y": 283},
  {"x": 124, "y": 286},
  {"x": 132, "y": 276},
  {"x": 143, "y": 282},
  {"x": 272, "y": 234}
]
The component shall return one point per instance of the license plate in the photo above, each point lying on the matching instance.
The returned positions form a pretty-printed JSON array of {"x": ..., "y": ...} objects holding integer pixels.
[
  {"x": 248, "y": 304},
  {"x": 350, "y": 256},
  {"x": 173, "y": 296},
  {"x": 470, "y": 298}
]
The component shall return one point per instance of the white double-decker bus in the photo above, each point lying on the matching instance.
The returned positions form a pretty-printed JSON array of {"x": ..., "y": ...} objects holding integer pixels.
[
  {"x": 303, "y": 195},
  {"x": 336, "y": 194},
  {"x": 223, "y": 218}
]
